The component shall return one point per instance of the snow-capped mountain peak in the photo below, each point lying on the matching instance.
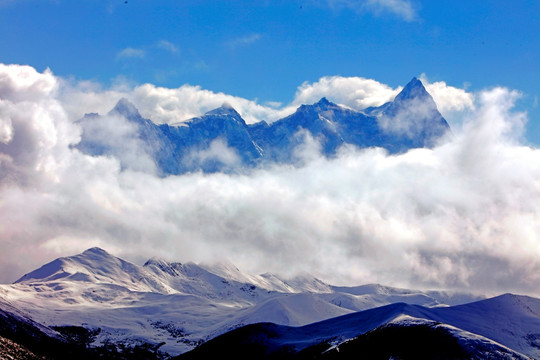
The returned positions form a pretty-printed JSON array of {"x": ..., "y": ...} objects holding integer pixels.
[
  {"x": 126, "y": 108},
  {"x": 224, "y": 109},
  {"x": 414, "y": 89},
  {"x": 95, "y": 266},
  {"x": 161, "y": 265},
  {"x": 96, "y": 251},
  {"x": 324, "y": 104},
  {"x": 79, "y": 267}
]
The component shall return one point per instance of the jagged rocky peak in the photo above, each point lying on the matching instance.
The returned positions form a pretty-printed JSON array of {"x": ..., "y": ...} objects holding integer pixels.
[
  {"x": 156, "y": 261},
  {"x": 413, "y": 90},
  {"x": 225, "y": 113},
  {"x": 324, "y": 102},
  {"x": 320, "y": 106},
  {"x": 163, "y": 265},
  {"x": 126, "y": 108},
  {"x": 225, "y": 109}
]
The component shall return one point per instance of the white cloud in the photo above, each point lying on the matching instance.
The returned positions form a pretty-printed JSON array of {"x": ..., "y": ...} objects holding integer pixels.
[
  {"x": 401, "y": 8},
  {"x": 448, "y": 99},
  {"x": 167, "y": 45},
  {"x": 34, "y": 129},
  {"x": 130, "y": 52},
  {"x": 218, "y": 151},
  {"x": 410, "y": 119},
  {"x": 121, "y": 139},
  {"x": 6, "y": 126},
  {"x": 243, "y": 40},
  {"x": 23, "y": 83},
  {"x": 463, "y": 215},
  {"x": 79, "y": 98},
  {"x": 162, "y": 105},
  {"x": 166, "y": 105},
  {"x": 354, "y": 92}
]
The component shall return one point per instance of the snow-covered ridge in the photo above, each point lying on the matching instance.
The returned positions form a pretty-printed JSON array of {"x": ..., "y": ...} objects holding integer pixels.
[{"x": 97, "y": 266}]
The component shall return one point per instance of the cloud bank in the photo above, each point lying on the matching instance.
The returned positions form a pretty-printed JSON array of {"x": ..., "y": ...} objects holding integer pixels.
[{"x": 463, "y": 215}]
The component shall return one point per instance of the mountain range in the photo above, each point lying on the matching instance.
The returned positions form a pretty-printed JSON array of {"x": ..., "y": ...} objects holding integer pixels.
[
  {"x": 221, "y": 141},
  {"x": 97, "y": 305}
]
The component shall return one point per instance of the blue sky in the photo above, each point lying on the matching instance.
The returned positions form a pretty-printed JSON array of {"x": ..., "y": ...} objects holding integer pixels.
[{"x": 265, "y": 49}]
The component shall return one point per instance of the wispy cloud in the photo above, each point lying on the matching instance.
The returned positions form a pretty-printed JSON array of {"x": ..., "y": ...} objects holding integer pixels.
[
  {"x": 168, "y": 46},
  {"x": 401, "y": 8},
  {"x": 130, "y": 52},
  {"x": 243, "y": 41}
]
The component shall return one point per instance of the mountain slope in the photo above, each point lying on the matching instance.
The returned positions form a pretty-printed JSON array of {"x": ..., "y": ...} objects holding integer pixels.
[
  {"x": 281, "y": 138},
  {"x": 508, "y": 319},
  {"x": 11, "y": 350},
  {"x": 411, "y": 120},
  {"x": 217, "y": 141}
]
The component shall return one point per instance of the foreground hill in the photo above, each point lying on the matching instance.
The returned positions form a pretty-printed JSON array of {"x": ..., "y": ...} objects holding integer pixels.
[{"x": 505, "y": 327}]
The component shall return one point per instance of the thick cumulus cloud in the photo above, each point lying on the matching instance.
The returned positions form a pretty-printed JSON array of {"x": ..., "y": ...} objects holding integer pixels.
[
  {"x": 354, "y": 92},
  {"x": 34, "y": 131},
  {"x": 463, "y": 215},
  {"x": 448, "y": 99}
]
